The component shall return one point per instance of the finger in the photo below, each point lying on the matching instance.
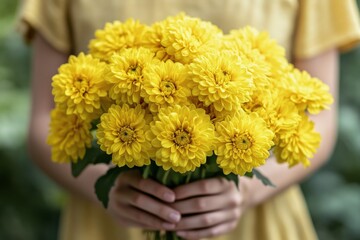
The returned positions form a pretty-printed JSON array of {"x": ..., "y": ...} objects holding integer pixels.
[
  {"x": 201, "y": 187},
  {"x": 119, "y": 212},
  {"x": 151, "y": 205},
  {"x": 208, "y": 219},
  {"x": 207, "y": 203},
  {"x": 208, "y": 232},
  {"x": 151, "y": 187},
  {"x": 144, "y": 218}
]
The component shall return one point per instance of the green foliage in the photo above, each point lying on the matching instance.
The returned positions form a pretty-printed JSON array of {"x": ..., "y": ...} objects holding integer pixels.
[
  {"x": 333, "y": 193},
  {"x": 93, "y": 155},
  {"x": 7, "y": 8},
  {"x": 30, "y": 203},
  {"x": 14, "y": 55},
  {"x": 105, "y": 183},
  {"x": 266, "y": 181}
]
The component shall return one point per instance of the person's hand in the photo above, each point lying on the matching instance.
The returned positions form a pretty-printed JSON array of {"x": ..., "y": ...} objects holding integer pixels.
[
  {"x": 209, "y": 208},
  {"x": 143, "y": 203}
]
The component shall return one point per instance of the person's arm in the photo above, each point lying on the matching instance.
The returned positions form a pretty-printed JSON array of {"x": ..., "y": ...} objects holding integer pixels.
[
  {"x": 324, "y": 67},
  {"x": 216, "y": 205},
  {"x": 133, "y": 201},
  {"x": 46, "y": 61}
]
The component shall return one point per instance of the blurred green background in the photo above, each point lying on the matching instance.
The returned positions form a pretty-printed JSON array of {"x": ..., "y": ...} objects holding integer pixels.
[{"x": 30, "y": 203}]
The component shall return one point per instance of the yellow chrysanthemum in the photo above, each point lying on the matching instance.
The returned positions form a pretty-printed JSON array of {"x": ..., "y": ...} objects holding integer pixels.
[
  {"x": 121, "y": 132},
  {"x": 300, "y": 146},
  {"x": 273, "y": 52},
  {"x": 259, "y": 98},
  {"x": 215, "y": 116},
  {"x": 282, "y": 118},
  {"x": 280, "y": 114},
  {"x": 306, "y": 92},
  {"x": 243, "y": 143},
  {"x": 183, "y": 137},
  {"x": 127, "y": 71},
  {"x": 154, "y": 37},
  {"x": 254, "y": 61},
  {"x": 117, "y": 36},
  {"x": 187, "y": 38},
  {"x": 165, "y": 85},
  {"x": 69, "y": 136},
  {"x": 80, "y": 86},
  {"x": 220, "y": 79}
]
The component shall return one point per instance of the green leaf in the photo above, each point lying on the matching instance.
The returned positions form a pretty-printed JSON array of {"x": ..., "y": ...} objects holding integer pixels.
[
  {"x": 233, "y": 177},
  {"x": 171, "y": 236},
  {"x": 93, "y": 155},
  {"x": 196, "y": 176},
  {"x": 157, "y": 235},
  {"x": 94, "y": 124},
  {"x": 80, "y": 165},
  {"x": 211, "y": 159},
  {"x": 262, "y": 178},
  {"x": 176, "y": 179},
  {"x": 249, "y": 175},
  {"x": 105, "y": 183},
  {"x": 102, "y": 157},
  {"x": 211, "y": 165}
]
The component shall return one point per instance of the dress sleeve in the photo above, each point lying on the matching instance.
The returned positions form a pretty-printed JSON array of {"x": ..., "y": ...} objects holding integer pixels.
[
  {"x": 325, "y": 24},
  {"x": 49, "y": 18}
]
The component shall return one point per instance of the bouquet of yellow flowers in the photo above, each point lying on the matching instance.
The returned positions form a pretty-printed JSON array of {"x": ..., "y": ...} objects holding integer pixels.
[{"x": 182, "y": 101}]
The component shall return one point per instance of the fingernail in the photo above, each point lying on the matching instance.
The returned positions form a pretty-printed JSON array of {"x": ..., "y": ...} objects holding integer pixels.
[
  {"x": 168, "y": 225},
  {"x": 175, "y": 217},
  {"x": 169, "y": 197}
]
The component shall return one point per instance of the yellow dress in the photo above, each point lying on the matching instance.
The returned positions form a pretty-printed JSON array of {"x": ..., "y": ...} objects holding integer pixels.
[{"x": 304, "y": 27}]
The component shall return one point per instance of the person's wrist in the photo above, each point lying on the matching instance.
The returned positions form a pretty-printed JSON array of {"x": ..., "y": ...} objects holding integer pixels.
[{"x": 245, "y": 192}]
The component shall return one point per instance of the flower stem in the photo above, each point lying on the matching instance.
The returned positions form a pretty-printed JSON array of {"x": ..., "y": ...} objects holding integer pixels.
[
  {"x": 157, "y": 235},
  {"x": 165, "y": 177},
  {"x": 174, "y": 236},
  {"x": 146, "y": 172},
  {"x": 203, "y": 172},
  {"x": 188, "y": 177}
]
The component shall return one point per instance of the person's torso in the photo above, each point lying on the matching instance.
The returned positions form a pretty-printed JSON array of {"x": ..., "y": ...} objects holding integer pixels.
[{"x": 278, "y": 17}]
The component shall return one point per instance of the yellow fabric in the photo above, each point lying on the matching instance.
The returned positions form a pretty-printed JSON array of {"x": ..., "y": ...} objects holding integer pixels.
[
  {"x": 314, "y": 33},
  {"x": 284, "y": 217},
  {"x": 322, "y": 24},
  {"x": 304, "y": 27},
  {"x": 50, "y": 19}
]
